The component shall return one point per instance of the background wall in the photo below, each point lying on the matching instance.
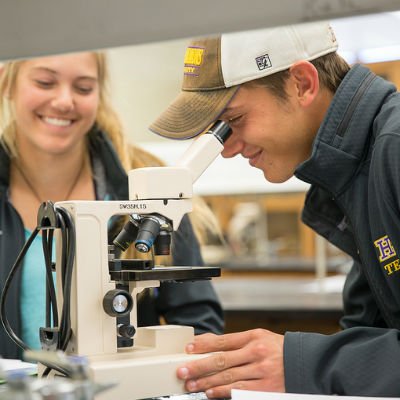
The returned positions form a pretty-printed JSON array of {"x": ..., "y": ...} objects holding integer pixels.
[{"x": 145, "y": 79}]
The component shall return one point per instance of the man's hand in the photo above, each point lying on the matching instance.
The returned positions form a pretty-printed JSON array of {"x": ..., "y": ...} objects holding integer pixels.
[{"x": 250, "y": 360}]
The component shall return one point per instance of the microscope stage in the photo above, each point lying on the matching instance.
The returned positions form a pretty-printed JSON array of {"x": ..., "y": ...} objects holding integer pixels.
[{"x": 174, "y": 274}]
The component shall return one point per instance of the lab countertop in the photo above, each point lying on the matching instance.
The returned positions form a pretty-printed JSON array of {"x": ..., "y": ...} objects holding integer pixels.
[
  {"x": 280, "y": 293},
  {"x": 252, "y": 263}
]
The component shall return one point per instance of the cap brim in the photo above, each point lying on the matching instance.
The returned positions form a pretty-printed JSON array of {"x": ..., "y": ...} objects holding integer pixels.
[{"x": 192, "y": 112}]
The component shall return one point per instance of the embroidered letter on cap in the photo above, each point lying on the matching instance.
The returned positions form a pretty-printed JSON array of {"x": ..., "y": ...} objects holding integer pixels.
[{"x": 385, "y": 248}]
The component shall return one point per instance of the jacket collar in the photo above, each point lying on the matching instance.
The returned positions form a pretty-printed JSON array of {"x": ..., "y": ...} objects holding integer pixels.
[
  {"x": 4, "y": 167},
  {"x": 116, "y": 176},
  {"x": 342, "y": 141}
]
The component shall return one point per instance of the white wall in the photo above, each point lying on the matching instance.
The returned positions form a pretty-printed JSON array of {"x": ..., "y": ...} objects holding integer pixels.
[{"x": 145, "y": 79}]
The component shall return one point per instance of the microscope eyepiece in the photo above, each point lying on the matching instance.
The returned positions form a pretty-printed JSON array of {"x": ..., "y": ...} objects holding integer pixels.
[{"x": 221, "y": 130}]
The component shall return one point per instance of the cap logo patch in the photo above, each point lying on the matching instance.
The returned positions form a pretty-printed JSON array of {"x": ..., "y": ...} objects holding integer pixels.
[
  {"x": 263, "y": 62},
  {"x": 193, "y": 60}
]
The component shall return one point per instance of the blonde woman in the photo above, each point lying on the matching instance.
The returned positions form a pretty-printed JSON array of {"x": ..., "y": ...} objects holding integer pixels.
[{"x": 62, "y": 140}]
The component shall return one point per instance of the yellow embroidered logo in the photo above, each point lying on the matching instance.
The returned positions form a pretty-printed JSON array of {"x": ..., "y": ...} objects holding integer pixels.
[
  {"x": 392, "y": 267},
  {"x": 385, "y": 248},
  {"x": 189, "y": 70},
  {"x": 194, "y": 56}
]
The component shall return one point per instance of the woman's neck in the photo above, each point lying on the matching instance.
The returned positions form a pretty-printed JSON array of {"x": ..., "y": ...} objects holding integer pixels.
[
  {"x": 51, "y": 174},
  {"x": 36, "y": 178}
]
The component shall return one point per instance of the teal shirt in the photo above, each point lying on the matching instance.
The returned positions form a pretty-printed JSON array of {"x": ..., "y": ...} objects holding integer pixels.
[{"x": 33, "y": 292}]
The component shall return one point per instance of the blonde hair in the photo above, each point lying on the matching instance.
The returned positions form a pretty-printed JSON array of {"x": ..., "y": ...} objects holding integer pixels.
[{"x": 131, "y": 156}]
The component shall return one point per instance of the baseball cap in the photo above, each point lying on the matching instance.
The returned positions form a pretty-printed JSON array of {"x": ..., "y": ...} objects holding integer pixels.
[{"x": 215, "y": 66}]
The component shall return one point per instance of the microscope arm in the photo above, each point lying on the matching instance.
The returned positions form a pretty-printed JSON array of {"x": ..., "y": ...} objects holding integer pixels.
[
  {"x": 167, "y": 183},
  {"x": 203, "y": 151}
]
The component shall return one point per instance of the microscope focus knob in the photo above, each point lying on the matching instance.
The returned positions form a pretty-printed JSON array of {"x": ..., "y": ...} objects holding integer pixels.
[
  {"x": 126, "y": 330},
  {"x": 117, "y": 303}
]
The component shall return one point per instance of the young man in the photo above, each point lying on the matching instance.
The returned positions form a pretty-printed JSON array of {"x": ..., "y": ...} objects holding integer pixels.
[{"x": 296, "y": 108}]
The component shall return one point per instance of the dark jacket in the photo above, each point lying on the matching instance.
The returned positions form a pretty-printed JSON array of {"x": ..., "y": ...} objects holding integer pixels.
[
  {"x": 354, "y": 202},
  {"x": 190, "y": 303}
]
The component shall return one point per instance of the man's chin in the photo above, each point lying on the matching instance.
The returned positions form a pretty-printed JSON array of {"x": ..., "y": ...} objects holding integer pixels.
[{"x": 275, "y": 178}]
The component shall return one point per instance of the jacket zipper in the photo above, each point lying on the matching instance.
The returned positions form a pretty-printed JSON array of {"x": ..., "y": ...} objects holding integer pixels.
[{"x": 349, "y": 113}]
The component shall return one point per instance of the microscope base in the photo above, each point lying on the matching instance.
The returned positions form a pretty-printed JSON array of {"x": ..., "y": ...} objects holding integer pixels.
[
  {"x": 140, "y": 378},
  {"x": 149, "y": 369}
]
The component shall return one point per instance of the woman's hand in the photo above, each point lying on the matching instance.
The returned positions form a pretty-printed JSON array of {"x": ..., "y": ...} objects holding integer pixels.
[{"x": 250, "y": 360}]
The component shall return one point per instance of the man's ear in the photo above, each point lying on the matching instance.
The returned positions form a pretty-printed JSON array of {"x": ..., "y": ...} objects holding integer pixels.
[{"x": 306, "y": 80}]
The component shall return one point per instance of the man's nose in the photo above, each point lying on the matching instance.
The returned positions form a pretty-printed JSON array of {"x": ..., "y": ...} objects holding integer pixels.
[
  {"x": 233, "y": 146},
  {"x": 63, "y": 100}
]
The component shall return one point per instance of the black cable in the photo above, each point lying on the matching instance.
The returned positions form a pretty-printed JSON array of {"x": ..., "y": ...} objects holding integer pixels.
[
  {"x": 51, "y": 298},
  {"x": 48, "y": 300},
  {"x": 67, "y": 258},
  {"x": 49, "y": 266},
  {"x": 63, "y": 256},
  {"x": 50, "y": 366},
  {"x": 60, "y": 220},
  {"x": 11, "y": 274},
  {"x": 65, "y": 326}
]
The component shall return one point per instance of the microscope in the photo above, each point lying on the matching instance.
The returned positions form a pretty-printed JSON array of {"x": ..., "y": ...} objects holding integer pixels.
[{"x": 101, "y": 296}]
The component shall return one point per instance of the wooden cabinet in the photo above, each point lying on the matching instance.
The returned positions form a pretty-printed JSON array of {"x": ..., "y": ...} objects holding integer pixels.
[
  {"x": 389, "y": 70},
  {"x": 282, "y": 210}
]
